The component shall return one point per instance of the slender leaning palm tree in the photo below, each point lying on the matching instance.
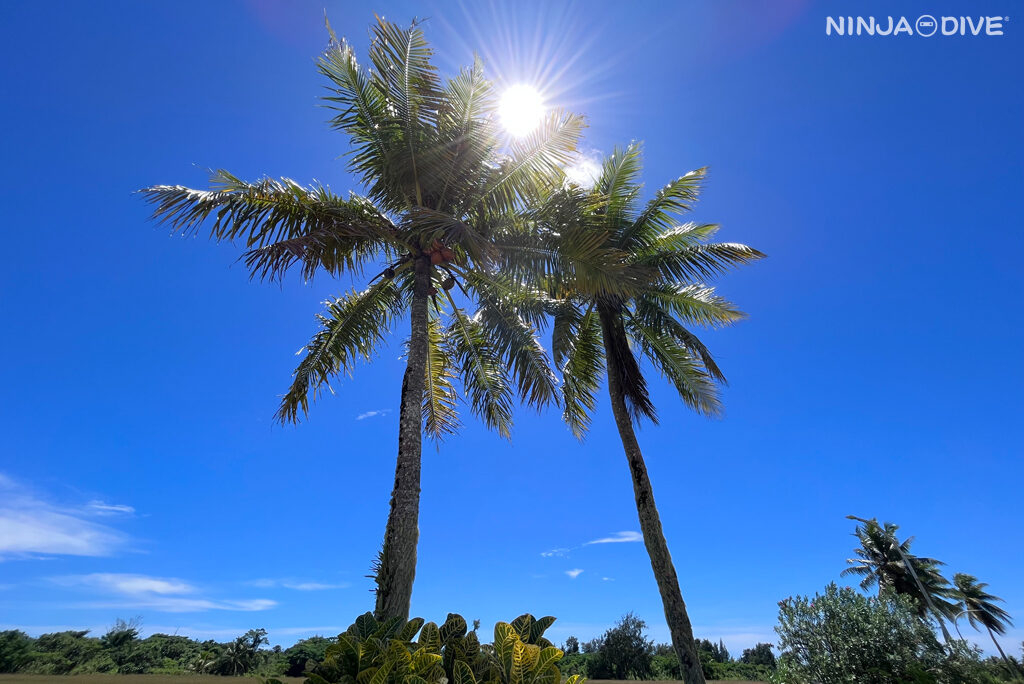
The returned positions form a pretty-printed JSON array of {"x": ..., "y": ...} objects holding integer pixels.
[
  {"x": 643, "y": 297},
  {"x": 885, "y": 561},
  {"x": 442, "y": 183},
  {"x": 981, "y": 609}
]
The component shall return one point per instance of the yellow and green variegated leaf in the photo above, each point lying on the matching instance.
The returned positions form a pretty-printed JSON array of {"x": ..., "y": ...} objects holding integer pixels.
[
  {"x": 366, "y": 675},
  {"x": 364, "y": 626},
  {"x": 430, "y": 638},
  {"x": 547, "y": 658},
  {"x": 388, "y": 628},
  {"x": 462, "y": 673},
  {"x": 423, "y": 660},
  {"x": 409, "y": 630},
  {"x": 522, "y": 626},
  {"x": 381, "y": 675},
  {"x": 398, "y": 654},
  {"x": 575, "y": 679},
  {"x": 538, "y": 628},
  {"x": 454, "y": 626}
]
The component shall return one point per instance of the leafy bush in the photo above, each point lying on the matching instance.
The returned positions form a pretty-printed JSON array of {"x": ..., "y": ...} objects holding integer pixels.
[
  {"x": 15, "y": 650},
  {"x": 843, "y": 636},
  {"x": 418, "y": 652}
]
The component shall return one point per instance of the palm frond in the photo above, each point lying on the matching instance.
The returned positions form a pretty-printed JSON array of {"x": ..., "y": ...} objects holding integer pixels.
[
  {"x": 698, "y": 262},
  {"x": 679, "y": 365},
  {"x": 484, "y": 377},
  {"x": 694, "y": 304},
  {"x": 655, "y": 318},
  {"x": 515, "y": 340},
  {"x": 275, "y": 211},
  {"x": 579, "y": 354},
  {"x": 658, "y": 216},
  {"x": 535, "y": 162},
  {"x": 353, "y": 328},
  {"x": 440, "y": 417},
  {"x": 619, "y": 183}
]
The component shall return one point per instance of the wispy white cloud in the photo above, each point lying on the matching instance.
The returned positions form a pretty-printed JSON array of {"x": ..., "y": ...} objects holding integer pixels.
[
  {"x": 585, "y": 168},
  {"x": 574, "y": 573},
  {"x": 373, "y": 414},
  {"x": 297, "y": 585},
  {"x": 607, "y": 579},
  {"x": 618, "y": 537},
  {"x": 103, "y": 508},
  {"x": 560, "y": 553},
  {"x": 163, "y": 594},
  {"x": 178, "y": 604},
  {"x": 31, "y": 526},
  {"x": 122, "y": 583}
]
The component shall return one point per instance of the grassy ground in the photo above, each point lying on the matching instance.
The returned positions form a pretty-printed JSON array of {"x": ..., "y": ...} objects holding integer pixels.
[
  {"x": 199, "y": 679},
  {"x": 133, "y": 679}
]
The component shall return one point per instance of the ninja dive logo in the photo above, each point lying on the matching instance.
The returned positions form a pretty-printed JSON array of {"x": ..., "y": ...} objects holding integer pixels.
[{"x": 925, "y": 26}]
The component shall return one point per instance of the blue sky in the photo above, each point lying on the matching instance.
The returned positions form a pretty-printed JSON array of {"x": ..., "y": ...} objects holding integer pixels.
[{"x": 879, "y": 373}]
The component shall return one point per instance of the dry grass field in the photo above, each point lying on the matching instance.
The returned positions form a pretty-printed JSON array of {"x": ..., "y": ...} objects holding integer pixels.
[
  {"x": 134, "y": 679},
  {"x": 203, "y": 679}
]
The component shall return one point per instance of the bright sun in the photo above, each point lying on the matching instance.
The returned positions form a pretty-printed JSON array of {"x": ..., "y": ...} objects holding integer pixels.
[{"x": 521, "y": 109}]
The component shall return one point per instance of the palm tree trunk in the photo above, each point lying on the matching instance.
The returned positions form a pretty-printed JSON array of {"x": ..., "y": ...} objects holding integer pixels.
[
  {"x": 397, "y": 568},
  {"x": 1013, "y": 670},
  {"x": 650, "y": 525}
]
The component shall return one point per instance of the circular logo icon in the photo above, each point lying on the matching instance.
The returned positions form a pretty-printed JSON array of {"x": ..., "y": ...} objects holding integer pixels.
[{"x": 926, "y": 25}]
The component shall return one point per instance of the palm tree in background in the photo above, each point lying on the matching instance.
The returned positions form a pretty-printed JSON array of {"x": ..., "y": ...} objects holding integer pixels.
[
  {"x": 885, "y": 561},
  {"x": 443, "y": 185},
  {"x": 981, "y": 609},
  {"x": 641, "y": 296}
]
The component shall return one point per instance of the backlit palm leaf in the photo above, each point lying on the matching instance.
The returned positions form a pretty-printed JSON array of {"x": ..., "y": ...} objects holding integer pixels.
[{"x": 352, "y": 329}]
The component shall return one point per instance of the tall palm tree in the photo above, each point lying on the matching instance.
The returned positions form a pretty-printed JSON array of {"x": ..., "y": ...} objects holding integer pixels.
[
  {"x": 442, "y": 183},
  {"x": 640, "y": 298},
  {"x": 885, "y": 561},
  {"x": 981, "y": 609}
]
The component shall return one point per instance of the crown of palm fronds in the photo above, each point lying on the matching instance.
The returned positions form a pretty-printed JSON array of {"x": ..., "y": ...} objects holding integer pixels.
[
  {"x": 442, "y": 180},
  {"x": 980, "y": 605},
  {"x": 882, "y": 560},
  {"x": 628, "y": 277}
]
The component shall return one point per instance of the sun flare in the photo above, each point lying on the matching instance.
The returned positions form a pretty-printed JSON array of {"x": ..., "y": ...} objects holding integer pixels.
[{"x": 521, "y": 109}]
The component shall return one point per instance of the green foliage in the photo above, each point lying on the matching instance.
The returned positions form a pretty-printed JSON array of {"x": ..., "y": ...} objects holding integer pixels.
[
  {"x": 760, "y": 654},
  {"x": 418, "y": 652},
  {"x": 623, "y": 652},
  {"x": 15, "y": 650},
  {"x": 304, "y": 656},
  {"x": 844, "y": 636}
]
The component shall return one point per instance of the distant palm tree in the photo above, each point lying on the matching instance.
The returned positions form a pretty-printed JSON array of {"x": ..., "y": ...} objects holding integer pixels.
[
  {"x": 443, "y": 182},
  {"x": 885, "y": 561},
  {"x": 981, "y": 609},
  {"x": 625, "y": 279}
]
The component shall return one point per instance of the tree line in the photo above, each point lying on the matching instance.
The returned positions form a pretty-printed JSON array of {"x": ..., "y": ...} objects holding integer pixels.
[
  {"x": 481, "y": 244},
  {"x": 121, "y": 651}
]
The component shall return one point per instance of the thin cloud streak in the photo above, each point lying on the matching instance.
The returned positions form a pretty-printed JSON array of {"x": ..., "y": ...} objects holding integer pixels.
[
  {"x": 618, "y": 538},
  {"x": 31, "y": 527}
]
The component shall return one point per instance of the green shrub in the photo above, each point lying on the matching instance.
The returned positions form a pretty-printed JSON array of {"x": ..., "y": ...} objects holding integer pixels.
[
  {"x": 15, "y": 650},
  {"x": 843, "y": 636}
]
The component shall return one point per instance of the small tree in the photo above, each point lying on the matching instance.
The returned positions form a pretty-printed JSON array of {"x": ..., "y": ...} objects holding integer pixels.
[
  {"x": 571, "y": 646},
  {"x": 761, "y": 654},
  {"x": 624, "y": 651}
]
